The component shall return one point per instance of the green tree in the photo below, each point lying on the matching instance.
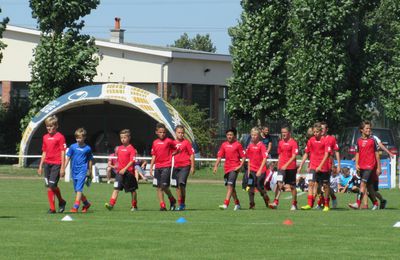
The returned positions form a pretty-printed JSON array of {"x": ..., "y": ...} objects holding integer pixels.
[
  {"x": 2, "y": 29},
  {"x": 64, "y": 59},
  {"x": 199, "y": 42},
  {"x": 382, "y": 71},
  {"x": 317, "y": 86},
  {"x": 259, "y": 54},
  {"x": 203, "y": 128}
]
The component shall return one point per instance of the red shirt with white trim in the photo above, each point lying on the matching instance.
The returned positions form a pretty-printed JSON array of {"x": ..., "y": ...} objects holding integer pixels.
[
  {"x": 125, "y": 155},
  {"x": 232, "y": 152},
  {"x": 162, "y": 150},
  {"x": 366, "y": 149},
  {"x": 332, "y": 143},
  {"x": 286, "y": 149},
  {"x": 256, "y": 154},
  {"x": 317, "y": 149},
  {"x": 53, "y": 145},
  {"x": 185, "y": 151}
]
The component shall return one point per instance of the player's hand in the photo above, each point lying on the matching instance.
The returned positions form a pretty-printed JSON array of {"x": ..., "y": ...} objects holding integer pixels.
[
  {"x": 215, "y": 170},
  {"x": 318, "y": 169},
  {"x": 238, "y": 168},
  {"x": 357, "y": 167},
  {"x": 298, "y": 170},
  {"x": 62, "y": 172},
  {"x": 192, "y": 170},
  {"x": 338, "y": 169},
  {"x": 151, "y": 172},
  {"x": 283, "y": 168},
  {"x": 258, "y": 174},
  {"x": 39, "y": 171},
  {"x": 122, "y": 172},
  {"x": 379, "y": 171}
]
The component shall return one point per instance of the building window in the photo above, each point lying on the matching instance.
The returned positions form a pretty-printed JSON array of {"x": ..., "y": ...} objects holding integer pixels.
[{"x": 201, "y": 95}]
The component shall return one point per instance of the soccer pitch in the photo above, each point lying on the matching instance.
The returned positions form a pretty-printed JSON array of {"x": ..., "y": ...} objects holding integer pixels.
[{"x": 27, "y": 232}]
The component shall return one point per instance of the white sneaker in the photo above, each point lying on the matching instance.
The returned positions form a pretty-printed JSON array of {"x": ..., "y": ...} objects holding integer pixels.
[
  {"x": 334, "y": 204},
  {"x": 223, "y": 207},
  {"x": 134, "y": 209},
  {"x": 375, "y": 207},
  {"x": 318, "y": 207},
  {"x": 237, "y": 207},
  {"x": 108, "y": 182},
  {"x": 294, "y": 207}
]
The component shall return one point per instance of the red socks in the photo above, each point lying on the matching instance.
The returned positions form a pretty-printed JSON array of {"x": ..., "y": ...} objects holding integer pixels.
[
  {"x": 326, "y": 202},
  {"x": 57, "y": 192},
  {"x": 226, "y": 202},
  {"x": 162, "y": 205},
  {"x": 310, "y": 200},
  {"x": 50, "y": 196},
  {"x": 112, "y": 202},
  {"x": 134, "y": 203},
  {"x": 276, "y": 202},
  {"x": 237, "y": 202}
]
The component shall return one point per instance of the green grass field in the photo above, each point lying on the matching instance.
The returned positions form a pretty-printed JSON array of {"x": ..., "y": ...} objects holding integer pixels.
[{"x": 27, "y": 232}]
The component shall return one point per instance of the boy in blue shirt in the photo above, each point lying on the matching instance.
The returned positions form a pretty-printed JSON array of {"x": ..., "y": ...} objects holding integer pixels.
[{"x": 81, "y": 158}]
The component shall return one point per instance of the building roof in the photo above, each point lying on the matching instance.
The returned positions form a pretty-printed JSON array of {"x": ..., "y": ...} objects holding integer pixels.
[{"x": 168, "y": 52}]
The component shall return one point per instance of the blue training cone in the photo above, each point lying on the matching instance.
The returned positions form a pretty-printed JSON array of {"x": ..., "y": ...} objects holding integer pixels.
[{"x": 181, "y": 220}]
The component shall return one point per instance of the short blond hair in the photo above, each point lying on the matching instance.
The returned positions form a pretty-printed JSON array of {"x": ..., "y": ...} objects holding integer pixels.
[
  {"x": 80, "y": 132},
  {"x": 125, "y": 132},
  {"x": 51, "y": 121},
  {"x": 256, "y": 130}
]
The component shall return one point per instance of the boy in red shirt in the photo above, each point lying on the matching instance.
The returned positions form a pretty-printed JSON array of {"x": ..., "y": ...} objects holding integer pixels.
[
  {"x": 183, "y": 165},
  {"x": 368, "y": 164},
  {"x": 257, "y": 158},
  {"x": 52, "y": 162},
  {"x": 162, "y": 151},
  {"x": 287, "y": 169},
  {"x": 332, "y": 143},
  {"x": 125, "y": 177},
  {"x": 234, "y": 156},
  {"x": 319, "y": 168}
]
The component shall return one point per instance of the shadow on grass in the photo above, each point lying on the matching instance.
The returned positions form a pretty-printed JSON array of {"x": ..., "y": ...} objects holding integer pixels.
[{"x": 8, "y": 217}]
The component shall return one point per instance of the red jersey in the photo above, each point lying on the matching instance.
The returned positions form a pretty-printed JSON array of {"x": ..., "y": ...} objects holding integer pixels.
[
  {"x": 366, "y": 149},
  {"x": 125, "y": 155},
  {"x": 317, "y": 149},
  {"x": 232, "y": 152},
  {"x": 285, "y": 151},
  {"x": 182, "y": 158},
  {"x": 331, "y": 141},
  {"x": 256, "y": 154},
  {"x": 112, "y": 161},
  {"x": 53, "y": 145},
  {"x": 162, "y": 150}
]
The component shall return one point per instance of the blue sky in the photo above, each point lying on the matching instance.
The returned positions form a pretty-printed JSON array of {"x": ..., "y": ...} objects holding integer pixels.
[{"x": 155, "y": 22}]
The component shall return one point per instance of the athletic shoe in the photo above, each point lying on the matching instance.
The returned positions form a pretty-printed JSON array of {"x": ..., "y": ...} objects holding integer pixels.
[
  {"x": 61, "y": 206},
  {"x": 294, "y": 207},
  {"x": 306, "y": 207},
  {"x": 108, "y": 206},
  {"x": 273, "y": 205},
  {"x": 134, "y": 209},
  {"x": 237, "y": 207},
  {"x": 375, "y": 207},
  {"x": 318, "y": 207},
  {"x": 163, "y": 209},
  {"x": 334, "y": 204},
  {"x": 51, "y": 211},
  {"x": 383, "y": 204},
  {"x": 74, "y": 210},
  {"x": 181, "y": 207},
  {"x": 85, "y": 208},
  {"x": 172, "y": 205},
  {"x": 353, "y": 206},
  {"x": 223, "y": 207},
  {"x": 326, "y": 209}
]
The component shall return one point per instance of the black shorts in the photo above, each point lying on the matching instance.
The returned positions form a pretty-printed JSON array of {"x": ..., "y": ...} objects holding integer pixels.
[
  {"x": 288, "y": 176},
  {"x": 256, "y": 181},
  {"x": 321, "y": 177},
  {"x": 180, "y": 175},
  {"x": 127, "y": 182},
  {"x": 51, "y": 174},
  {"x": 366, "y": 175},
  {"x": 230, "y": 178},
  {"x": 162, "y": 177}
]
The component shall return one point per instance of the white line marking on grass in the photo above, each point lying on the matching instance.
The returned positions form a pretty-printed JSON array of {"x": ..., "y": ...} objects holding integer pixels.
[{"x": 290, "y": 196}]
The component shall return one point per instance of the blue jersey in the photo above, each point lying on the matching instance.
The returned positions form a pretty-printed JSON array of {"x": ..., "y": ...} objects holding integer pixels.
[{"x": 80, "y": 156}]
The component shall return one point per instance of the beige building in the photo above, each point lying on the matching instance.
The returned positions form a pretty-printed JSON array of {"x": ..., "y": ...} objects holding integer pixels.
[{"x": 196, "y": 76}]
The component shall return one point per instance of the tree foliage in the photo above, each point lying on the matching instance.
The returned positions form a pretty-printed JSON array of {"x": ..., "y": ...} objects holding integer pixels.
[
  {"x": 203, "y": 128},
  {"x": 2, "y": 29},
  {"x": 64, "y": 59},
  {"x": 259, "y": 56},
  {"x": 306, "y": 60},
  {"x": 199, "y": 42}
]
